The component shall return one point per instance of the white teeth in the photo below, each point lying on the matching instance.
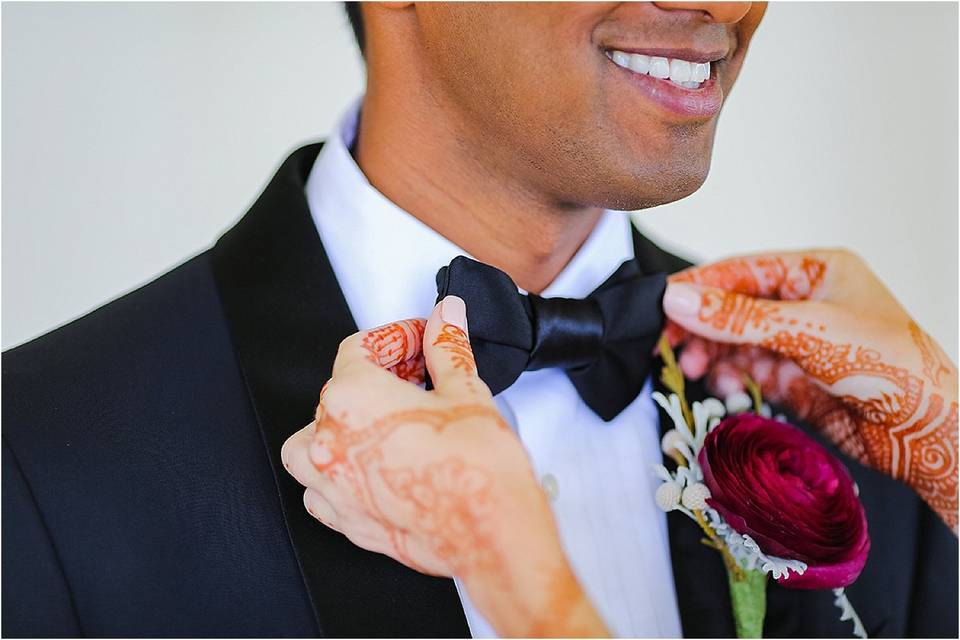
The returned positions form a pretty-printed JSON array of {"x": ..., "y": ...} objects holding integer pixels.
[
  {"x": 639, "y": 63},
  {"x": 681, "y": 72},
  {"x": 701, "y": 71},
  {"x": 659, "y": 67}
]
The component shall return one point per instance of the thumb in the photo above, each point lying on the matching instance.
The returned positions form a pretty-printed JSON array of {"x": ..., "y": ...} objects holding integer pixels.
[
  {"x": 726, "y": 316},
  {"x": 446, "y": 349}
]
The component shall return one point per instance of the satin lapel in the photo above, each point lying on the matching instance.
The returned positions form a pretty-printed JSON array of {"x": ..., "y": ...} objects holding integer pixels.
[
  {"x": 287, "y": 317},
  {"x": 699, "y": 576}
]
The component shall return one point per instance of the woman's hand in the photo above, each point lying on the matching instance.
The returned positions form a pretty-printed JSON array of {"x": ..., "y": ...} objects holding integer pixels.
[
  {"x": 824, "y": 338},
  {"x": 436, "y": 479}
]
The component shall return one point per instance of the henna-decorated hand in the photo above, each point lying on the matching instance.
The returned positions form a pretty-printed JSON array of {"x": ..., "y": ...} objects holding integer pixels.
[
  {"x": 824, "y": 338},
  {"x": 436, "y": 479}
]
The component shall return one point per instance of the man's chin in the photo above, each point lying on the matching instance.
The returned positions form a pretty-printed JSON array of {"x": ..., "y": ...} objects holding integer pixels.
[{"x": 652, "y": 191}]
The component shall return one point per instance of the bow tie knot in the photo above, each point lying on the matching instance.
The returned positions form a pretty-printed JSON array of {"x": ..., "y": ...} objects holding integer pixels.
[
  {"x": 604, "y": 342},
  {"x": 568, "y": 333}
]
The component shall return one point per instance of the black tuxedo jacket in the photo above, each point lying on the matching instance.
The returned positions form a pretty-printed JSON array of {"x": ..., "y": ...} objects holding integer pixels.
[{"x": 143, "y": 493}]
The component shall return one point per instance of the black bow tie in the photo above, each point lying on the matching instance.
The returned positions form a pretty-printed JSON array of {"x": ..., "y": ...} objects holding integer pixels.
[{"x": 604, "y": 341}]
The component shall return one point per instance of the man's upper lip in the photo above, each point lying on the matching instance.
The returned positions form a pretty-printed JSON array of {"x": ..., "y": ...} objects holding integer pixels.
[{"x": 690, "y": 55}]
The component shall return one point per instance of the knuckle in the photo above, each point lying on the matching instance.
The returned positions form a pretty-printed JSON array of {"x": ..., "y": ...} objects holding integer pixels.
[
  {"x": 349, "y": 341},
  {"x": 848, "y": 257},
  {"x": 285, "y": 451},
  {"x": 324, "y": 388},
  {"x": 364, "y": 541},
  {"x": 331, "y": 394},
  {"x": 341, "y": 395},
  {"x": 479, "y": 390},
  {"x": 293, "y": 455},
  {"x": 348, "y": 512},
  {"x": 308, "y": 500},
  {"x": 311, "y": 504},
  {"x": 321, "y": 403},
  {"x": 357, "y": 519},
  {"x": 320, "y": 454},
  {"x": 354, "y": 396}
]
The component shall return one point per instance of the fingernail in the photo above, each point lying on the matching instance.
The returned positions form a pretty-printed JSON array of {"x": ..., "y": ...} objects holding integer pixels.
[
  {"x": 681, "y": 299},
  {"x": 454, "y": 311}
]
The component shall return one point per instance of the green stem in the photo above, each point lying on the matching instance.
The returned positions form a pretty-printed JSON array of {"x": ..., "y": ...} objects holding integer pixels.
[
  {"x": 754, "y": 390},
  {"x": 748, "y": 595},
  {"x": 673, "y": 379},
  {"x": 732, "y": 567}
]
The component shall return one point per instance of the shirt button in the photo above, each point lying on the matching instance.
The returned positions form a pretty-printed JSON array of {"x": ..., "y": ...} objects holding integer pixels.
[{"x": 550, "y": 486}]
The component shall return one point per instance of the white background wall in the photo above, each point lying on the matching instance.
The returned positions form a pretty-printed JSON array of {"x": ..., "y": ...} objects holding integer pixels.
[{"x": 133, "y": 134}]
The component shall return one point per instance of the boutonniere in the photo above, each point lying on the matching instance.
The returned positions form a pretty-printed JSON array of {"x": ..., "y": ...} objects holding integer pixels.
[{"x": 771, "y": 500}]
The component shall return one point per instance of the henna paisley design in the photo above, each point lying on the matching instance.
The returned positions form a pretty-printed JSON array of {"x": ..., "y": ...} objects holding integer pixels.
[
  {"x": 824, "y": 337},
  {"x": 454, "y": 508},
  {"x": 453, "y": 340},
  {"x": 934, "y": 362},
  {"x": 353, "y": 455},
  {"x": 397, "y": 347},
  {"x": 735, "y": 313},
  {"x": 413, "y": 370},
  {"x": 761, "y": 277},
  {"x": 901, "y": 430}
]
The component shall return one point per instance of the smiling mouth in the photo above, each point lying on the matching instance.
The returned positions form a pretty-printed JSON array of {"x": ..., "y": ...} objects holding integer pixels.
[
  {"x": 687, "y": 87},
  {"x": 683, "y": 73}
]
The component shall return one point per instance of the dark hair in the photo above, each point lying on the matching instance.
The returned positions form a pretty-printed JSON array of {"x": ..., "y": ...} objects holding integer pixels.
[{"x": 356, "y": 21}]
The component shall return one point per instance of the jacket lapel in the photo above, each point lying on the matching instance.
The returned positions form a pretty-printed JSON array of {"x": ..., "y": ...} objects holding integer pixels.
[
  {"x": 287, "y": 317},
  {"x": 699, "y": 576}
]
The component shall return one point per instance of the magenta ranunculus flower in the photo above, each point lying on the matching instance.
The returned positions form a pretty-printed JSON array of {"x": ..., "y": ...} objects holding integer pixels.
[{"x": 771, "y": 481}]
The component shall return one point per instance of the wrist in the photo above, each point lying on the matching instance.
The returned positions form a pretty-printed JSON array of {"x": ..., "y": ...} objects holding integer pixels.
[{"x": 531, "y": 589}]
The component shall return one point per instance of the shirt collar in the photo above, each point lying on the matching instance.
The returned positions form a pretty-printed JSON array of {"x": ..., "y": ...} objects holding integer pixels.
[{"x": 386, "y": 260}]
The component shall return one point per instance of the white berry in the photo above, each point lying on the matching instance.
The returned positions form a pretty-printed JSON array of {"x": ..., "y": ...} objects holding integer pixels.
[
  {"x": 668, "y": 496},
  {"x": 695, "y": 497}
]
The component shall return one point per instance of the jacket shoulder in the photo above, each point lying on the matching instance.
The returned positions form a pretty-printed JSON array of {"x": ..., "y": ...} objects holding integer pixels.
[
  {"x": 117, "y": 353},
  {"x": 135, "y": 440},
  {"x": 151, "y": 300}
]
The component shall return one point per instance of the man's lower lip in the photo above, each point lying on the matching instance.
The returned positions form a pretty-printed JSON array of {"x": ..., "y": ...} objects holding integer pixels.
[{"x": 702, "y": 102}]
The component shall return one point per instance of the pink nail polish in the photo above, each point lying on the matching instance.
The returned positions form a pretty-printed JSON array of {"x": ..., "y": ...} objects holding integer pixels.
[
  {"x": 681, "y": 299},
  {"x": 454, "y": 311}
]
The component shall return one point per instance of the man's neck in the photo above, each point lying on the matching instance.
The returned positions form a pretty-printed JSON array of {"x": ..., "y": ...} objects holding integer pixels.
[{"x": 415, "y": 157}]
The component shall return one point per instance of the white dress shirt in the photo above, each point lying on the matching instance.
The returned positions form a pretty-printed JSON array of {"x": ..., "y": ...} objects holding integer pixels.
[{"x": 597, "y": 474}]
